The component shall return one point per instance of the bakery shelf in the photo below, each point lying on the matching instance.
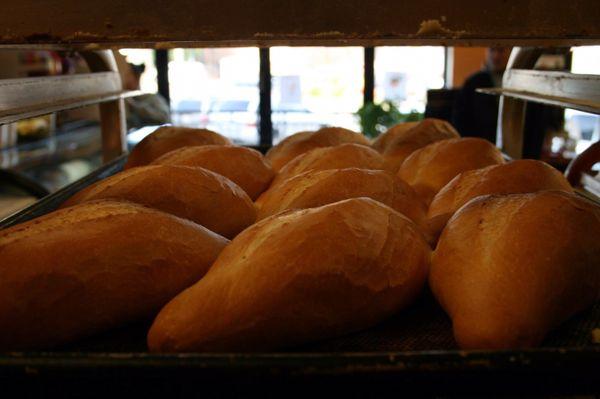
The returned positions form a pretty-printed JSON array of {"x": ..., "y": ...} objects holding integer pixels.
[
  {"x": 435, "y": 374},
  {"x": 591, "y": 184},
  {"x": 17, "y": 114},
  {"x": 565, "y": 102},
  {"x": 210, "y": 23},
  {"x": 568, "y": 90},
  {"x": 413, "y": 351},
  {"x": 389, "y": 357},
  {"x": 28, "y": 97},
  {"x": 52, "y": 201}
]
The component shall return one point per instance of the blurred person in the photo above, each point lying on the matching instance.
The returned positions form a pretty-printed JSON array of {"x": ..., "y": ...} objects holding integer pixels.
[
  {"x": 476, "y": 114},
  {"x": 146, "y": 109}
]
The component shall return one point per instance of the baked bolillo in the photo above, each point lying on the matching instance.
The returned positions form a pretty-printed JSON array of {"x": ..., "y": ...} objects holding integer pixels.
[
  {"x": 507, "y": 269},
  {"x": 317, "y": 188},
  {"x": 95, "y": 266},
  {"x": 381, "y": 142},
  {"x": 169, "y": 138},
  {"x": 197, "y": 194},
  {"x": 244, "y": 166},
  {"x": 406, "y": 141},
  {"x": 521, "y": 176},
  {"x": 282, "y": 152},
  {"x": 299, "y": 143},
  {"x": 430, "y": 168},
  {"x": 297, "y": 277},
  {"x": 338, "y": 157}
]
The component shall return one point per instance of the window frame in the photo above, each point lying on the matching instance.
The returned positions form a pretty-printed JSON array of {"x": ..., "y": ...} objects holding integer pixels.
[{"x": 264, "y": 116}]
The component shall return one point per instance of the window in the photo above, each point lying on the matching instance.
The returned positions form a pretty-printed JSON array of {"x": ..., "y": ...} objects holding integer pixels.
[
  {"x": 404, "y": 74},
  {"x": 311, "y": 87},
  {"x": 586, "y": 59},
  {"x": 216, "y": 89},
  {"x": 583, "y": 128},
  {"x": 314, "y": 87},
  {"x": 148, "y": 83}
]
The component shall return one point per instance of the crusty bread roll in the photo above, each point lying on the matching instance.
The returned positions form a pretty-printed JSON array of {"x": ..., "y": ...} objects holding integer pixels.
[
  {"x": 297, "y": 277},
  {"x": 521, "y": 176},
  {"x": 197, "y": 194},
  {"x": 169, "y": 138},
  {"x": 312, "y": 189},
  {"x": 507, "y": 269},
  {"x": 94, "y": 266},
  {"x": 381, "y": 142},
  {"x": 302, "y": 142},
  {"x": 430, "y": 168},
  {"x": 244, "y": 166},
  {"x": 408, "y": 141},
  {"x": 286, "y": 151},
  {"x": 338, "y": 157},
  {"x": 339, "y": 135}
]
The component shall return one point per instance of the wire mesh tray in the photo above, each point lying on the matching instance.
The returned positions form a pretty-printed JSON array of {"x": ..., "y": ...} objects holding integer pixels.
[{"x": 413, "y": 352}]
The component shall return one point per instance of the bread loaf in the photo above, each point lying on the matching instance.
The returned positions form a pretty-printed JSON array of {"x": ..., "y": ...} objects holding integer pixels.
[
  {"x": 244, "y": 166},
  {"x": 521, "y": 176},
  {"x": 507, "y": 269},
  {"x": 298, "y": 277},
  {"x": 338, "y": 157},
  {"x": 339, "y": 135},
  {"x": 94, "y": 266},
  {"x": 302, "y": 142},
  {"x": 282, "y": 153},
  {"x": 405, "y": 142},
  {"x": 196, "y": 194},
  {"x": 382, "y": 141},
  {"x": 312, "y": 189},
  {"x": 169, "y": 138},
  {"x": 430, "y": 168}
]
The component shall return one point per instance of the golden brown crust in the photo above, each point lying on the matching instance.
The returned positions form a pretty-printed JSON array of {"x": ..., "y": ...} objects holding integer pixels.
[
  {"x": 197, "y": 194},
  {"x": 337, "y": 157},
  {"x": 244, "y": 166},
  {"x": 403, "y": 144},
  {"x": 278, "y": 154},
  {"x": 299, "y": 276},
  {"x": 302, "y": 142},
  {"x": 317, "y": 188},
  {"x": 339, "y": 135},
  {"x": 430, "y": 168},
  {"x": 169, "y": 138},
  {"x": 382, "y": 141},
  {"x": 94, "y": 266},
  {"x": 284, "y": 152},
  {"x": 507, "y": 269},
  {"x": 521, "y": 176}
]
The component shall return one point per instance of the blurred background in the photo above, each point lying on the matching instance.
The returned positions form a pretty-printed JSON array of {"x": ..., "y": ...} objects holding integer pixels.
[{"x": 310, "y": 87}]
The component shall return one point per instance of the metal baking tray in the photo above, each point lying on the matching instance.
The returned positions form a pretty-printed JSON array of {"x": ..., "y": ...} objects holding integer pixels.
[{"x": 413, "y": 352}]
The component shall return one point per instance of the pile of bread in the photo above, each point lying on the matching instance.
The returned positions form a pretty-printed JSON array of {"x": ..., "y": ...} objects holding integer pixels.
[{"x": 329, "y": 233}]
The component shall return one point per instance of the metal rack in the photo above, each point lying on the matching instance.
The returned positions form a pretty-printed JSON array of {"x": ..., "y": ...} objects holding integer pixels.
[
  {"x": 89, "y": 27},
  {"x": 522, "y": 84},
  {"x": 29, "y": 97}
]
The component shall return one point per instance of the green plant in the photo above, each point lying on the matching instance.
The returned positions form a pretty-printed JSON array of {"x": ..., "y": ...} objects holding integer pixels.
[{"x": 375, "y": 119}]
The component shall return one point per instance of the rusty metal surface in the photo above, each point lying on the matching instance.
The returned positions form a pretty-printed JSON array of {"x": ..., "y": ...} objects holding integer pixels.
[{"x": 196, "y": 23}]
